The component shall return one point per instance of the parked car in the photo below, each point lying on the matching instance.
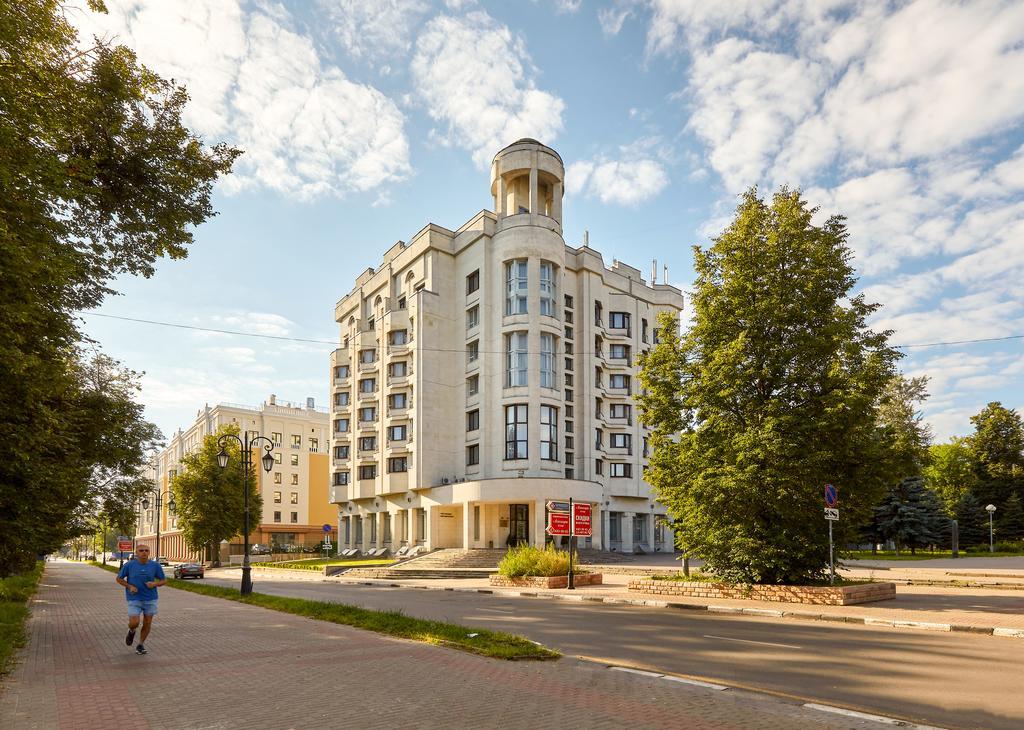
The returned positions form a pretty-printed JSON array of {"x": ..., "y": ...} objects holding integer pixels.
[
  {"x": 259, "y": 549},
  {"x": 163, "y": 561},
  {"x": 189, "y": 570}
]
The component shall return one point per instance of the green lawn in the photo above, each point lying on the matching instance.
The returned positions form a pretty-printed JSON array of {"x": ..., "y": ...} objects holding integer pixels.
[
  {"x": 14, "y": 594},
  {"x": 494, "y": 644},
  {"x": 924, "y": 555},
  {"x": 318, "y": 563}
]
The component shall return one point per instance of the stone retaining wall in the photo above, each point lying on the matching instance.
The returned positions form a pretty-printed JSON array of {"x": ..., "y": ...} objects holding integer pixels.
[
  {"x": 825, "y": 595},
  {"x": 555, "y": 581}
]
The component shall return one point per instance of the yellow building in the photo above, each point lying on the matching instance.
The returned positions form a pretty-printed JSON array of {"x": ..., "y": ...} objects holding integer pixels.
[{"x": 295, "y": 492}]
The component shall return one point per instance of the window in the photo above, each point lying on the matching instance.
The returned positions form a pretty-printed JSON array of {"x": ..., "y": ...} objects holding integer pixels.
[
  {"x": 277, "y": 477},
  {"x": 568, "y": 457},
  {"x": 277, "y": 498},
  {"x": 516, "y": 359},
  {"x": 341, "y": 452},
  {"x": 276, "y": 438},
  {"x": 473, "y": 420},
  {"x": 547, "y": 288},
  {"x": 619, "y": 382},
  {"x": 568, "y": 424},
  {"x": 472, "y": 317},
  {"x": 568, "y": 333},
  {"x": 568, "y": 301},
  {"x": 568, "y": 379},
  {"x": 277, "y": 516},
  {"x": 340, "y": 478},
  {"x": 473, "y": 282},
  {"x": 568, "y": 364},
  {"x": 569, "y": 395},
  {"x": 647, "y": 448},
  {"x": 473, "y": 384},
  {"x": 569, "y": 442},
  {"x": 401, "y": 302},
  {"x": 547, "y": 361},
  {"x": 568, "y": 348},
  {"x": 398, "y": 337},
  {"x": 368, "y": 356},
  {"x": 277, "y": 457},
  {"x": 618, "y": 320},
  {"x": 570, "y": 473},
  {"x": 515, "y": 287},
  {"x": 597, "y": 347},
  {"x": 368, "y": 385},
  {"x": 341, "y": 425},
  {"x": 598, "y": 467},
  {"x": 620, "y": 410},
  {"x": 597, "y": 313},
  {"x": 294, "y": 497},
  {"x": 516, "y": 432},
  {"x": 341, "y": 371},
  {"x": 620, "y": 440},
  {"x": 253, "y": 434},
  {"x": 341, "y": 399},
  {"x": 398, "y": 401},
  {"x": 614, "y": 532},
  {"x": 296, "y": 440},
  {"x": 473, "y": 351},
  {"x": 368, "y": 414},
  {"x": 472, "y": 454},
  {"x": 295, "y": 517},
  {"x": 398, "y": 369},
  {"x": 567, "y": 316},
  {"x": 598, "y": 438},
  {"x": 295, "y": 460},
  {"x": 549, "y": 433},
  {"x": 367, "y": 443},
  {"x": 398, "y": 464},
  {"x": 643, "y": 330},
  {"x": 597, "y": 407},
  {"x": 314, "y": 445},
  {"x": 295, "y": 478},
  {"x": 618, "y": 352},
  {"x": 620, "y": 470},
  {"x": 368, "y": 471},
  {"x": 569, "y": 412},
  {"x": 396, "y": 433}
]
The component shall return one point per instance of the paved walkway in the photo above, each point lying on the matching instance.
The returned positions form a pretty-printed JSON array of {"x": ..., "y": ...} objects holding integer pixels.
[{"x": 219, "y": 664}]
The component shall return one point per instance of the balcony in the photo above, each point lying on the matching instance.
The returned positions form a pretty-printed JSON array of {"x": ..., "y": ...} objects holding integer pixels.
[
  {"x": 338, "y": 494},
  {"x": 365, "y": 367},
  {"x": 368, "y": 395},
  {"x": 368, "y": 425}
]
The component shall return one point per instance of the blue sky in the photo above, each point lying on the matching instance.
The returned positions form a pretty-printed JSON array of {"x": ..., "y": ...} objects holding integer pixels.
[{"x": 362, "y": 121}]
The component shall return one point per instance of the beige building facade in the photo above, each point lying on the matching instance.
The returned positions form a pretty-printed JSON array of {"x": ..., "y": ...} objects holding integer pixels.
[
  {"x": 486, "y": 370},
  {"x": 295, "y": 491}
]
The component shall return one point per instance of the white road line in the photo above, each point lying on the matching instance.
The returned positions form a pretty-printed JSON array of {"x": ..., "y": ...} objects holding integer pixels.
[
  {"x": 698, "y": 683},
  {"x": 495, "y": 610},
  {"x": 865, "y": 716},
  {"x": 747, "y": 641},
  {"x": 637, "y": 671}
]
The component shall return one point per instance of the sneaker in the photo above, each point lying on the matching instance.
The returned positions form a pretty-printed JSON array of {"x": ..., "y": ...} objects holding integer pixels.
[
  {"x": 140, "y": 649},
  {"x": 130, "y": 637}
]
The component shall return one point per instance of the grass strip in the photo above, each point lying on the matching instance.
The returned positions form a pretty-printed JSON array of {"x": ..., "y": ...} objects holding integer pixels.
[
  {"x": 495, "y": 644},
  {"x": 937, "y": 555},
  {"x": 15, "y": 591},
  {"x": 319, "y": 563}
]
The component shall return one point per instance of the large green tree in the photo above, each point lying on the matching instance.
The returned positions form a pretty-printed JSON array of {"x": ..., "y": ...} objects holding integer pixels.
[
  {"x": 98, "y": 178},
  {"x": 951, "y": 471},
  {"x": 998, "y": 447},
  {"x": 210, "y": 500},
  {"x": 1011, "y": 519},
  {"x": 776, "y": 390}
]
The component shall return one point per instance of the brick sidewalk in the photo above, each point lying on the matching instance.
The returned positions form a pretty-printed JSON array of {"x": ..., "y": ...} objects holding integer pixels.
[{"x": 219, "y": 664}]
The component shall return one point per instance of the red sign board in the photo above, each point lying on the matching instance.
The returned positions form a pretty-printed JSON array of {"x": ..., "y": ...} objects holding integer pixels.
[
  {"x": 124, "y": 545},
  {"x": 558, "y": 523},
  {"x": 581, "y": 520}
]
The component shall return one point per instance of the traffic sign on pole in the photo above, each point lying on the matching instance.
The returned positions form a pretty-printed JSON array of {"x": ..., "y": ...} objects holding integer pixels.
[
  {"x": 557, "y": 506},
  {"x": 327, "y": 528},
  {"x": 558, "y": 523},
  {"x": 831, "y": 496},
  {"x": 124, "y": 543},
  {"x": 581, "y": 524},
  {"x": 831, "y": 514}
]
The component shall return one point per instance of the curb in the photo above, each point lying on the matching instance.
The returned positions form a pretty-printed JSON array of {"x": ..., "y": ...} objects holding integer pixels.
[{"x": 727, "y": 610}]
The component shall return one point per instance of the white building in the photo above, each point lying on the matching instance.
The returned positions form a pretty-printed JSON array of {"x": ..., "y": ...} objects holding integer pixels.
[{"x": 486, "y": 370}]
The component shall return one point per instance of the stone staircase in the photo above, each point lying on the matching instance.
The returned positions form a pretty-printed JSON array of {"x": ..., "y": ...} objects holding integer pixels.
[{"x": 446, "y": 563}]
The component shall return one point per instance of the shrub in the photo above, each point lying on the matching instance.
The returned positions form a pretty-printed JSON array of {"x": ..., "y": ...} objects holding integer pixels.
[
  {"x": 530, "y": 560},
  {"x": 1009, "y": 547}
]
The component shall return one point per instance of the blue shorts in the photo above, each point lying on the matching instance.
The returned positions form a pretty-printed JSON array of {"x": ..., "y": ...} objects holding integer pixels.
[{"x": 137, "y": 608}]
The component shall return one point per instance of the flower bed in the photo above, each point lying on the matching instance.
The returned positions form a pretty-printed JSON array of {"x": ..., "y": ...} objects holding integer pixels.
[
  {"x": 537, "y": 581},
  {"x": 824, "y": 595}
]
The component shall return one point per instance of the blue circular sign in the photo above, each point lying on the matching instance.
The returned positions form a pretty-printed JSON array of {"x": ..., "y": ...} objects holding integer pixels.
[
  {"x": 327, "y": 528},
  {"x": 831, "y": 495}
]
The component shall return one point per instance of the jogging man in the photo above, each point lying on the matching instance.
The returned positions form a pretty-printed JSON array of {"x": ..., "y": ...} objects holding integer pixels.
[{"x": 140, "y": 578}]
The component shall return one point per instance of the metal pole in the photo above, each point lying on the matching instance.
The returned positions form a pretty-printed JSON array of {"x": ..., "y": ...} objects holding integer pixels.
[
  {"x": 246, "y": 567},
  {"x": 991, "y": 541},
  {"x": 159, "y": 506},
  {"x": 956, "y": 539},
  {"x": 572, "y": 539},
  {"x": 104, "y": 543},
  {"x": 831, "y": 562}
]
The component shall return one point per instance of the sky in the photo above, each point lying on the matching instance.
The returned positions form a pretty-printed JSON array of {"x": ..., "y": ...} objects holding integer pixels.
[{"x": 362, "y": 121}]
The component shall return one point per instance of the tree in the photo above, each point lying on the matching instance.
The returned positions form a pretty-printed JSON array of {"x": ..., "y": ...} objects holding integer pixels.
[
  {"x": 98, "y": 178},
  {"x": 210, "y": 500},
  {"x": 910, "y": 516},
  {"x": 972, "y": 521},
  {"x": 779, "y": 383},
  {"x": 898, "y": 413},
  {"x": 951, "y": 471},
  {"x": 1011, "y": 519},
  {"x": 998, "y": 447}
]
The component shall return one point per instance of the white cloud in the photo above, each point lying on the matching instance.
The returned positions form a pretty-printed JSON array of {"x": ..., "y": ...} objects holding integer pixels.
[
  {"x": 624, "y": 181},
  {"x": 474, "y": 76},
  {"x": 375, "y": 30},
  {"x": 260, "y": 323},
  {"x": 612, "y": 19},
  {"x": 306, "y": 130}
]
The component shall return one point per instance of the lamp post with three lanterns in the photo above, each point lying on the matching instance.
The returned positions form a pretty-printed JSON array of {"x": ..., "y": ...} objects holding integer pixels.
[
  {"x": 158, "y": 504},
  {"x": 247, "y": 445}
]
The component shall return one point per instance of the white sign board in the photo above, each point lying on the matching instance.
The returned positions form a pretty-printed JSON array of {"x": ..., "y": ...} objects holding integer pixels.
[{"x": 832, "y": 513}]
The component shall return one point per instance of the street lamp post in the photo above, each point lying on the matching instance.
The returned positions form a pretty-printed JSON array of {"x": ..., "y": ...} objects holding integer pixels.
[
  {"x": 171, "y": 507},
  {"x": 991, "y": 541},
  {"x": 246, "y": 445}
]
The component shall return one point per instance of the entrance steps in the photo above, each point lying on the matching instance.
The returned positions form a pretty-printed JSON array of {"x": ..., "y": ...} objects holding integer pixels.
[{"x": 447, "y": 563}]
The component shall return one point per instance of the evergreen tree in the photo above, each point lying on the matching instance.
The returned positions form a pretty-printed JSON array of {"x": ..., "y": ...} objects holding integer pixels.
[
  {"x": 909, "y": 516},
  {"x": 774, "y": 392},
  {"x": 972, "y": 521},
  {"x": 1011, "y": 519}
]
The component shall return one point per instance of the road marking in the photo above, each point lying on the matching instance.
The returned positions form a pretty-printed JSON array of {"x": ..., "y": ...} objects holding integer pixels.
[
  {"x": 748, "y": 641},
  {"x": 698, "y": 683},
  {"x": 637, "y": 671},
  {"x": 866, "y": 716},
  {"x": 495, "y": 610}
]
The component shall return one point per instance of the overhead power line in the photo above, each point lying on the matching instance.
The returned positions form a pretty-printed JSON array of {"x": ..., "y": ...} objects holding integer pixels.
[{"x": 335, "y": 344}]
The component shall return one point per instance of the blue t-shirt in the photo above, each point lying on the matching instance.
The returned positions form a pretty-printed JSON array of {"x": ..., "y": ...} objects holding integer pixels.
[{"x": 138, "y": 574}]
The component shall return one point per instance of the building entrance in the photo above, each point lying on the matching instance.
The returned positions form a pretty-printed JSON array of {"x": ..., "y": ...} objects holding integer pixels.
[{"x": 519, "y": 524}]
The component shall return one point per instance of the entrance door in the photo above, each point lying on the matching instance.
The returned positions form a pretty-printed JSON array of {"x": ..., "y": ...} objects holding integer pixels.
[{"x": 519, "y": 523}]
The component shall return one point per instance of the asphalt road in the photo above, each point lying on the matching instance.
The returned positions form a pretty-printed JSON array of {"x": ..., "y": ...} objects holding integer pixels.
[{"x": 949, "y": 680}]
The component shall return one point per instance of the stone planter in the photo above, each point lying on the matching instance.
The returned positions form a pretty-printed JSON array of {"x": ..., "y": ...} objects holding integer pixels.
[
  {"x": 536, "y": 581},
  {"x": 823, "y": 595}
]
